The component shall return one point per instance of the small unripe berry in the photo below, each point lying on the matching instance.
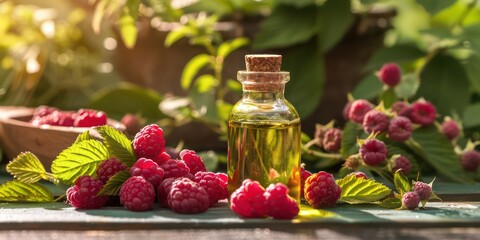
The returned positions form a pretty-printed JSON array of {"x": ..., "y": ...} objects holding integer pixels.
[
  {"x": 470, "y": 160},
  {"x": 402, "y": 163},
  {"x": 332, "y": 140},
  {"x": 423, "y": 113},
  {"x": 373, "y": 152},
  {"x": 358, "y": 110},
  {"x": 424, "y": 190},
  {"x": 450, "y": 129},
  {"x": 375, "y": 121},
  {"x": 390, "y": 74},
  {"x": 400, "y": 129},
  {"x": 410, "y": 200}
]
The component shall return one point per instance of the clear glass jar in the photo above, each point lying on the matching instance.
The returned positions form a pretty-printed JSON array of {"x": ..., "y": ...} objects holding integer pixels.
[{"x": 264, "y": 134}]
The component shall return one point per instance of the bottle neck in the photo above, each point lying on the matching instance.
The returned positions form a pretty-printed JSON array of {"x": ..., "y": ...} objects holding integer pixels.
[{"x": 257, "y": 96}]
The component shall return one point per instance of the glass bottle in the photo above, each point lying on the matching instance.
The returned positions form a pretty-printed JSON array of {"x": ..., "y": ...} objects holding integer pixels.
[{"x": 264, "y": 129}]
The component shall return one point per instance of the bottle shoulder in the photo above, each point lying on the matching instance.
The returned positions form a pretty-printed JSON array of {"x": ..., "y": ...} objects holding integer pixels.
[{"x": 278, "y": 110}]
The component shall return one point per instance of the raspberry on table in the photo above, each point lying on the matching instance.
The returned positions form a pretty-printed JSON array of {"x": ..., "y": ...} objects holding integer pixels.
[
  {"x": 278, "y": 203},
  {"x": 107, "y": 168},
  {"x": 401, "y": 162},
  {"x": 163, "y": 189},
  {"x": 188, "y": 197},
  {"x": 423, "y": 190},
  {"x": 148, "y": 169},
  {"x": 400, "y": 129},
  {"x": 161, "y": 158},
  {"x": 213, "y": 184},
  {"x": 248, "y": 200},
  {"x": 83, "y": 195},
  {"x": 423, "y": 113},
  {"x": 223, "y": 177},
  {"x": 358, "y": 110},
  {"x": 375, "y": 121},
  {"x": 193, "y": 161},
  {"x": 137, "y": 194},
  {"x": 450, "y": 129},
  {"x": 390, "y": 74},
  {"x": 175, "y": 168},
  {"x": 90, "y": 118},
  {"x": 373, "y": 152},
  {"x": 321, "y": 190},
  {"x": 303, "y": 177},
  {"x": 402, "y": 108},
  {"x": 470, "y": 160},
  {"x": 332, "y": 140},
  {"x": 410, "y": 200},
  {"x": 149, "y": 142}
]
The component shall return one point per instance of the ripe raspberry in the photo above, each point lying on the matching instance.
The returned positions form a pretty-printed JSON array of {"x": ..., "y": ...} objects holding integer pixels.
[
  {"x": 423, "y": 113},
  {"x": 43, "y": 111},
  {"x": 303, "y": 176},
  {"x": 278, "y": 204},
  {"x": 161, "y": 158},
  {"x": 213, "y": 184},
  {"x": 149, "y": 142},
  {"x": 332, "y": 140},
  {"x": 375, "y": 121},
  {"x": 132, "y": 123},
  {"x": 175, "y": 168},
  {"x": 423, "y": 190},
  {"x": 163, "y": 189},
  {"x": 402, "y": 109},
  {"x": 390, "y": 74},
  {"x": 373, "y": 152},
  {"x": 187, "y": 196},
  {"x": 248, "y": 200},
  {"x": 358, "y": 110},
  {"x": 410, "y": 200},
  {"x": 401, "y": 162},
  {"x": 149, "y": 170},
  {"x": 400, "y": 129},
  {"x": 321, "y": 191},
  {"x": 107, "y": 168},
  {"x": 320, "y": 131},
  {"x": 90, "y": 118},
  {"x": 450, "y": 129},
  {"x": 360, "y": 175},
  {"x": 470, "y": 160},
  {"x": 193, "y": 161},
  {"x": 223, "y": 177},
  {"x": 56, "y": 118},
  {"x": 83, "y": 194},
  {"x": 346, "y": 110},
  {"x": 137, "y": 194}
]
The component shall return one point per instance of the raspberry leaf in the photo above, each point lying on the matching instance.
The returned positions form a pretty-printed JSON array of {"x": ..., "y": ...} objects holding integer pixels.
[
  {"x": 15, "y": 191},
  {"x": 118, "y": 144},
  {"x": 27, "y": 168},
  {"x": 79, "y": 159},
  {"x": 401, "y": 182},
  {"x": 84, "y": 136},
  {"x": 350, "y": 134},
  {"x": 113, "y": 185},
  {"x": 359, "y": 190},
  {"x": 391, "y": 203}
]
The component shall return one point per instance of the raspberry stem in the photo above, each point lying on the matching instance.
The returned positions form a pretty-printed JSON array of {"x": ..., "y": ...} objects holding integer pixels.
[{"x": 306, "y": 149}]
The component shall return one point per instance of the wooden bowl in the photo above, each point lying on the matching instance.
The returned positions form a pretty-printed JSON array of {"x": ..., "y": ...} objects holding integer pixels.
[{"x": 46, "y": 142}]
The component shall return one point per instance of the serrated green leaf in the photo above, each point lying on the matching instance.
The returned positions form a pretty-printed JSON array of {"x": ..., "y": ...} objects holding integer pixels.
[
  {"x": 359, "y": 190},
  {"x": 192, "y": 68},
  {"x": 438, "y": 151},
  {"x": 15, "y": 191},
  {"x": 82, "y": 137},
  {"x": 177, "y": 34},
  {"x": 391, "y": 203},
  {"x": 127, "y": 23},
  {"x": 369, "y": 88},
  {"x": 401, "y": 182},
  {"x": 118, "y": 144},
  {"x": 228, "y": 47},
  {"x": 27, "y": 168},
  {"x": 330, "y": 32},
  {"x": 470, "y": 116},
  {"x": 79, "y": 159},
  {"x": 114, "y": 184},
  {"x": 350, "y": 133}
]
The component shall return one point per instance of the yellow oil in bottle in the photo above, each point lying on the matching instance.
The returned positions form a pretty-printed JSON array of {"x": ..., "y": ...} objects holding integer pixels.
[{"x": 266, "y": 152}]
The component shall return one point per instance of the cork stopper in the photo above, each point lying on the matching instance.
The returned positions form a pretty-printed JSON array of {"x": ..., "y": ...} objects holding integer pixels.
[{"x": 263, "y": 62}]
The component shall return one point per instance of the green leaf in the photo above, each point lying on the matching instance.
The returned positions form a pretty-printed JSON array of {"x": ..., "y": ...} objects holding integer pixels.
[
  {"x": 398, "y": 54},
  {"x": 118, "y": 144},
  {"x": 210, "y": 159},
  {"x": 193, "y": 67},
  {"x": 438, "y": 152},
  {"x": 15, "y": 191},
  {"x": 127, "y": 22},
  {"x": 388, "y": 97},
  {"x": 224, "y": 109},
  {"x": 204, "y": 105},
  {"x": 205, "y": 83},
  {"x": 350, "y": 133},
  {"x": 114, "y": 184},
  {"x": 286, "y": 26},
  {"x": 27, "y": 168},
  {"x": 298, "y": 3},
  {"x": 177, "y": 34},
  {"x": 401, "y": 182},
  {"x": 470, "y": 116},
  {"x": 369, "y": 88},
  {"x": 228, "y": 47},
  {"x": 234, "y": 85},
  {"x": 408, "y": 87},
  {"x": 79, "y": 159},
  {"x": 82, "y": 137},
  {"x": 445, "y": 83},
  {"x": 434, "y": 6},
  {"x": 304, "y": 89},
  {"x": 391, "y": 203},
  {"x": 472, "y": 67},
  {"x": 359, "y": 190},
  {"x": 331, "y": 32}
]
